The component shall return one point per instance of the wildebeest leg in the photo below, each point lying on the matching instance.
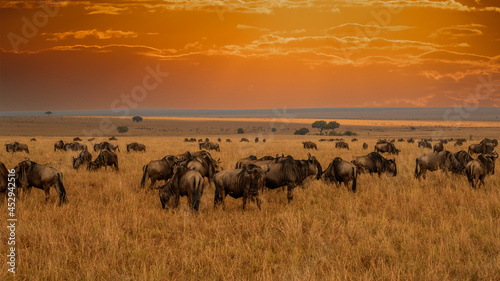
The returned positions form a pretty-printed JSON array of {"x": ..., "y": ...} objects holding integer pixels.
[
  {"x": 290, "y": 192},
  {"x": 153, "y": 183},
  {"x": 257, "y": 198},
  {"x": 177, "y": 198},
  {"x": 482, "y": 181},
  {"x": 46, "y": 188},
  {"x": 245, "y": 195}
]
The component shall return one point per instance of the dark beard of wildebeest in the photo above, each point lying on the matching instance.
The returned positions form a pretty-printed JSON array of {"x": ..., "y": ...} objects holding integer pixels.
[
  {"x": 291, "y": 173},
  {"x": 479, "y": 168},
  {"x": 209, "y": 146},
  {"x": 30, "y": 174},
  {"x": 136, "y": 147},
  {"x": 252, "y": 159},
  {"x": 4, "y": 174},
  {"x": 15, "y": 147},
  {"x": 83, "y": 157},
  {"x": 309, "y": 145},
  {"x": 386, "y": 147},
  {"x": 105, "y": 158},
  {"x": 184, "y": 182},
  {"x": 237, "y": 183},
  {"x": 375, "y": 163},
  {"x": 340, "y": 171},
  {"x": 74, "y": 146},
  {"x": 158, "y": 170},
  {"x": 434, "y": 161},
  {"x": 463, "y": 158},
  {"x": 59, "y": 145},
  {"x": 106, "y": 145}
]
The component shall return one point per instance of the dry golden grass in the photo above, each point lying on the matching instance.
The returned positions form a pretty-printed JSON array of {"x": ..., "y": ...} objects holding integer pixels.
[{"x": 391, "y": 229}]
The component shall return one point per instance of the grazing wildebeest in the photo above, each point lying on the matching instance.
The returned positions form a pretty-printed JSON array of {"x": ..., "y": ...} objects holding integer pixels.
[
  {"x": 365, "y": 145},
  {"x": 262, "y": 161},
  {"x": 136, "y": 147},
  {"x": 434, "y": 161},
  {"x": 219, "y": 140},
  {"x": 59, "y": 145},
  {"x": 4, "y": 180},
  {"x": 340, "y": 171},
  {"x": 244, "y": 140},
  {"x": 342, "y": 144},
  {"x": 263, "y": 140},
  {"x": 463, "y": 157},
  {"x": 158, "y": 170},
  {"x": 424, "y": 144},
  {"x": 292, "y": 173},
  {"x": 458, "y": 143},
  {"x": 106, "y": 145},
  {"x": 479, "y": 168},
  {"x": 237, "y": 183},
  {"x": 482, "y": 148},
  {"x": 492, "y": 141},
  {"x": 200, "y": 140},
  {"x": 74, "y": 146},
  {"x": 386, "y": 147},
  {"x": 105, "y": 158},
  {"x": 30, "y": 174},
  {"x": 77, "y": 139},
  {"x": 228, "y": 140},
  {"x": 15, "y": 147},
  {"x": 83, "y": 157},
  {"x": 401, "y": 140},
  {"x": 256, "y": 139},
  {"x": 354, "y": 139},
  {"x": 309, "y": 145},
  {"x": 375, "y": 163},
  {"x": 209, "y": 146},
  {"x": 91, "y": 139},
  {"x": 411, "y": 140},
  {"x": 112, "y": 138},
  {"x": 203, "y": 163},
  {"x": 32, "y": 139},
  {"x": 438, "y": 147},
  {"x": 184, "y": 182}
]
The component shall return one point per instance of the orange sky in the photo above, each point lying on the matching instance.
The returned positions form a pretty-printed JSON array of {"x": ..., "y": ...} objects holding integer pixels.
[{"x": 77, "y": 55}]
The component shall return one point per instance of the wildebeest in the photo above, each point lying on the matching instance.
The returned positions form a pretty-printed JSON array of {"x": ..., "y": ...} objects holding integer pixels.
[
  {"x": 136, "y": 147},
  {"x": 59, "y": 145},
  {"x": 4, "y": 180},
  {"x": 209, "y": 146},
  {"x": 434, "y": 161},
  {"x": 189, "y": 140},
  {"x": 106, "y": 145},
  {"x": 365, "y": 145},
  {"x": 479, "y": 168},
  {"x": 203, "y": 163},
  {"x": 112, "y": 138},
  {"x": 184, "y": 182},
  {"x": 237, "y": 183},
  {"x": 219, "y": 140},
  {"x": 252, "y": 159},
  {"x": 32, "y": 139},
  {"x": 438, "y": 147},
  {"x": 263, "y": 140},
  {"x": 77, "y": 139},
  {"x": 91, "y": 139},
  {"x": 340, "y": 171},
  {"x": 30, "y": 174},
  {"x": 83, "y": 157},
  {"x": 292, "y": 173},
  {"x": 458, "y": 143},
  {"x": 74, "y": 146},
  {"x": 481, "y": 148},
  {"x": 228, "y": 140},
  {"x": 354, "y": 139},
  {"x": 342, "y": 144},
  {"x": 200, "y": 140},
  {"x": 386, "y": 147},
  {"x": 105, "y": 158},
  {"x": 424, "y": 144},
  {"x": 411, "y": 140},
  {"x": 16, "y": 146},
  {"x": 375, "y": 163},
  {"x": 309, "y": 145},
  {"x": 158, "y": 170},
  {"x": 492, "y": 141},
  {"x": 463, "y": 157},
  {"x": 256, "y": 140},
  {"x": 244, "y": 140}
]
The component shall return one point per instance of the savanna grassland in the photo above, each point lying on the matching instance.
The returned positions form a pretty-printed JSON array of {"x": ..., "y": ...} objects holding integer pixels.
[{"x": 392, "y": 228}]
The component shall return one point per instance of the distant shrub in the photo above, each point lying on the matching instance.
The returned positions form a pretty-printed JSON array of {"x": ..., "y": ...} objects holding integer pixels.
[
  {"x": 240, "y": 131},
  {"x": 301, "y": 131},
  {"x": 122, "y": 129}
]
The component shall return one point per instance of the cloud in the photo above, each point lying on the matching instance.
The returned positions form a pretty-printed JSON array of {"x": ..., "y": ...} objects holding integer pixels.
[
  {"x": 249, "y": 27},
  {"x": 81, "y": 34},
  {"x": 107, "y": 10},
  {"x": 457, "y": 31}
]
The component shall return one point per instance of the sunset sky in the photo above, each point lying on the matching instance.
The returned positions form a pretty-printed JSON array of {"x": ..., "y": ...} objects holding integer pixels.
[{"x": 82, "y": 55}]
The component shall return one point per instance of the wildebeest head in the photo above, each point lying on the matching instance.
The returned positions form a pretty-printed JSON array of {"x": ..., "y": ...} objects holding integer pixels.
[
  {"x": 489, "y": 162},
  {"x": 93, "y": 165},
  {"x": 392, "y": 167},
  {"x": 167, "y": 190},
  {"x": 314, "y": 166},
  {"x": 22, "y": 171}
]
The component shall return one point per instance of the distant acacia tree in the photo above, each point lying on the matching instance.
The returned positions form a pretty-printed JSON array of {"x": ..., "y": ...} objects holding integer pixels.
[
  {"x": 48, "y": 113},
  {"x": 122, "y": 129},
  {"x": 137, "y": 119},
  {"x": 323, "y": 126}
]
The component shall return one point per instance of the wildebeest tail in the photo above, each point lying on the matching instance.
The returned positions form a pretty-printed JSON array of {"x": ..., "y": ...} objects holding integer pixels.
[
  {"x": 61, "y": 190},
  {"x": 145, "y": 175},
  {"x": 355, "y": 177},
  {"x": 416, "y": 168}
]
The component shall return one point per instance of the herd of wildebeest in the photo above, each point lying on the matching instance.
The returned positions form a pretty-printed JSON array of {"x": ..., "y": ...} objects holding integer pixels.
[{"x": 185, "y": 174}]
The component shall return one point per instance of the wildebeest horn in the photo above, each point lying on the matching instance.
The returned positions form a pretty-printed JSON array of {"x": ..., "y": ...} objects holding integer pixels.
[
  {"x": 309, "y": 155},
  {"x": 394, "y": 159}
]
